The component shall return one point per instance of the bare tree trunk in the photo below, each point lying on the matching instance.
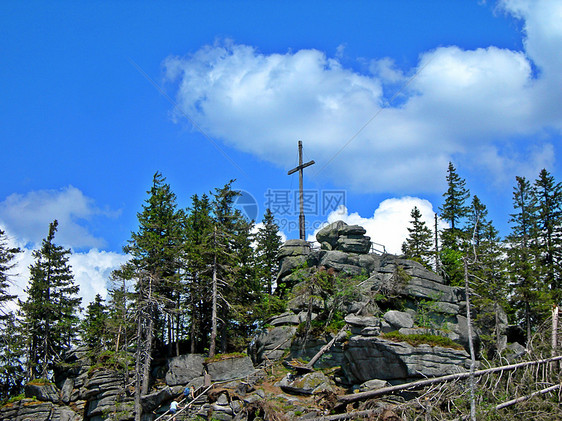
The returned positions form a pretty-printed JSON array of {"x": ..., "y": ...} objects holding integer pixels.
[
  {"x": 555, "y": 312},
  {"x": 470, "y": 344},
  {"x": 437, "y": 268},
  {"x": 214, "y": 298}
]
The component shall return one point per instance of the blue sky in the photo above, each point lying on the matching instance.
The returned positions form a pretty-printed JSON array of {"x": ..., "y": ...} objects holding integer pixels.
[{"x": 98, "y": 96}]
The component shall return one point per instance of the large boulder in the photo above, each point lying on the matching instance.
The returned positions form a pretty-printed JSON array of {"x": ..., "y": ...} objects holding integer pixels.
[
  {"x": 376, "y": 358},
  {"x": 230, "y": 368},
  {"x": 43, "y": 392},
  {"x": 153, "y": 400},
  {"x": 182, "y": 369},
  {"x": 348, "y": 238},
  {"x": 271, "y": 343}
]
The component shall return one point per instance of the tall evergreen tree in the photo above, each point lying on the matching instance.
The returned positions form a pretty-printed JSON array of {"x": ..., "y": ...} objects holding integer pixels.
[
  {"x": 12, "y": 370},
  {"x": 155, "y": 249},
  {"x": 268, "y": 243},
  {"x": 50, "y": 311},
  {"x": 7, "y": 255},
  {"x": 453, "y": 239},
  {"x": 528, "y": 295},
  {"x": 94, "y": 326},
  {"x": 548, "y": 194},
  {"x": 419, "y": 242},
  {"x": 454, "y": 209},
  {"x": 197, "y": 270}
]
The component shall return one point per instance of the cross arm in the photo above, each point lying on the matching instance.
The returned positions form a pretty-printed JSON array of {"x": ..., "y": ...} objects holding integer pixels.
[{"x": 301, "y": 167}]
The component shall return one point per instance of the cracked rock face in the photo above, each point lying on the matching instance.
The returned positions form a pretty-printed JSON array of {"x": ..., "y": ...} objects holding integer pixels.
[
  {"x": 343, "y": 237},
  {"x": 376, "y": 358}
]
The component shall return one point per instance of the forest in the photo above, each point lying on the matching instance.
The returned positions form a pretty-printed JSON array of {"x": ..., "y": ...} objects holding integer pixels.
[{"x": 203, "y": 279}]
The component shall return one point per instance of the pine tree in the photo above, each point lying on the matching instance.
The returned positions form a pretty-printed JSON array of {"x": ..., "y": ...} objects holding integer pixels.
[
  {"x": 528, "y": 295},
  {"x": 488, "y": 277},
  {"x": 7, "y": 255},
  {"x": 94, "y": 325},
  {"x": 453, "y": 239},
  {"x": 12, "y": 370},
  {"x": 155, "y": 249},
  {"x": 548, "y": 194},
  {"x": 50, "y": 311},
  {"x": 197, "y": 270},
  {"x": 419, "y": 242},
  {"x": 268, "y": 243},
  {"x": 454, "y": 209}
]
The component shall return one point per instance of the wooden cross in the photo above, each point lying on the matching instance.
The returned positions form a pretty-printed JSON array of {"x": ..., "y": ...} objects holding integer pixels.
[{"x": 301, "y": 196}]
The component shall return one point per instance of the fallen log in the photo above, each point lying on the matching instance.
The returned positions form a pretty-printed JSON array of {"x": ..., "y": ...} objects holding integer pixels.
[
  {"x": 354, "y": 397},
  {"x": 524, "y": 398},
  {"x": 326, "y": 347}
]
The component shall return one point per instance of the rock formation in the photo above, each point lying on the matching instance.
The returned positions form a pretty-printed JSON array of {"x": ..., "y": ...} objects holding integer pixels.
[{"x": 393, "y": 299}]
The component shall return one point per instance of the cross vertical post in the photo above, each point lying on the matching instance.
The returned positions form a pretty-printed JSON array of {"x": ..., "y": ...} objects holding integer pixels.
[{"x": 300, "y": 167}]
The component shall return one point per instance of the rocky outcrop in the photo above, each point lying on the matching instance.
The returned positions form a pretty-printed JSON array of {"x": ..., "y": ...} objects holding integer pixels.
[
  {"x": 376, "y": 358},
  {"x": 230, "y": 368},
  {"x": 345, "y": 238},
  {"x": 183, "y": 369},
  {"x": 35, "y": 410}
]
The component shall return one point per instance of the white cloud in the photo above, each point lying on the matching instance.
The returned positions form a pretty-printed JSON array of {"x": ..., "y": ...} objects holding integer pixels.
[
  {"x": 91, "y": 272},
  {"x": 389, "y": 224},
  {"x": 459, "y": 105},
  {"x": 28, "y": 216}
]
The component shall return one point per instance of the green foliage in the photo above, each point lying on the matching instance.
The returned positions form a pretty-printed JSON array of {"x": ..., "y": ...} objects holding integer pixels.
[
  {"x": 426, "y": 311},
  {"x": 268, "y": 242},
  {"x": 50, "y": 311},
  {"x": 422, "y": 338},
  {"x": 418, "y": 245},
  {"x": 453, "y": 268},
  {"x": 111, "y": 360},
  {"x": 95, "y": 324},
  {"x": 454, "y": 209}
]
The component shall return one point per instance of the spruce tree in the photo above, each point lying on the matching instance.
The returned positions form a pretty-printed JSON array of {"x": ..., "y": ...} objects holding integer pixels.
[
  {"x": 453, "y": 239},
  {"x": 528, "y": 298},
  {"x": 268, "y": 243},
  {"x": 197, "y": 264},
  {"x": 548, "y": 194},
  {"x": 454, "y": 209},
  {"x": 7, "y": 255},
  {"x": 12, "y": 370},
  {"x": 155, "y": 249},
  {"x": 419, "y": 242},
  {"x": 50, "y": 310},
  {"x": 94, "y": 326}
]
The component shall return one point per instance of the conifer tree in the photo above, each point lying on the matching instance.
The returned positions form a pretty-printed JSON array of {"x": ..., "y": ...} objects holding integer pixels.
[
  {"x": 50, "y": 311},
  {"x": 7, "y": 255},
  {"x": 197, "y": 270},
  {"x": 488, "y": 277},
  {"x": 268, "y": 243},
  {"x": 94, "y": 326},
  {"x": 548, "y": 194},
  {"x": 12, "y": 370},
  {"x": 528, "y": 295},
  {"x": 419, "y": 242},
  {"x": 454, "y": 211},
  {"x": 155, "y": 249}
]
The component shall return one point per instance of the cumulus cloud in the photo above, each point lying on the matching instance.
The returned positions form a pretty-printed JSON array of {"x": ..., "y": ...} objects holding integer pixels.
[
  {"x": 455, "y": 105},
  {"x": 28, "y": 216},
  {"x": 388, "y": 227}
]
